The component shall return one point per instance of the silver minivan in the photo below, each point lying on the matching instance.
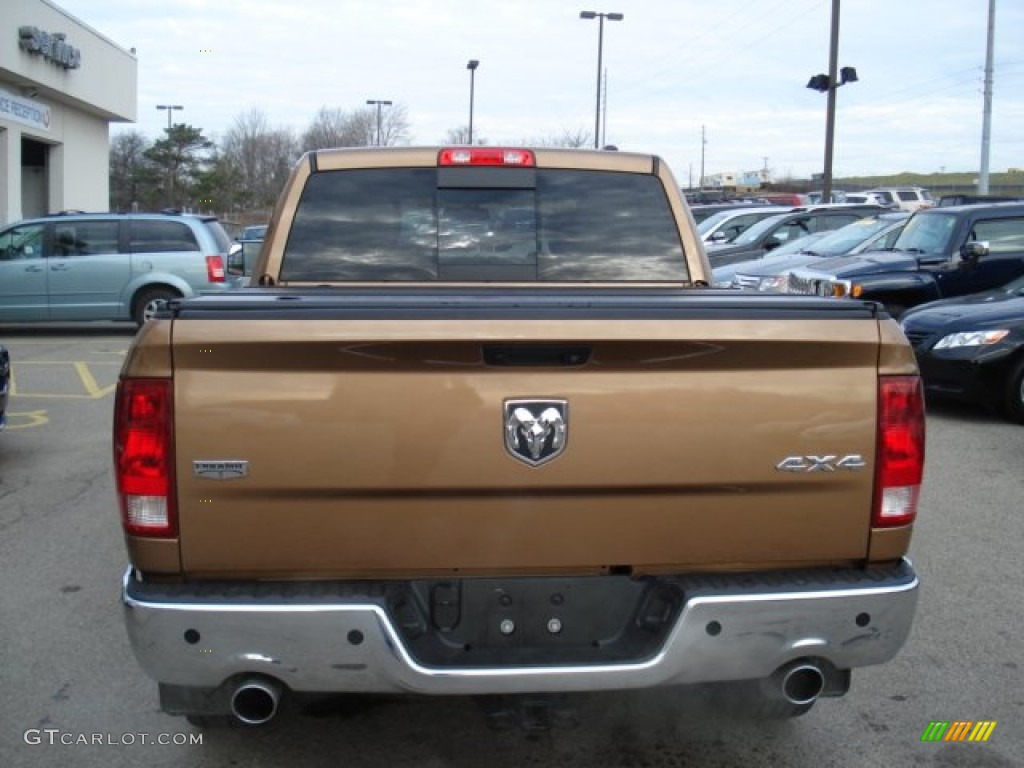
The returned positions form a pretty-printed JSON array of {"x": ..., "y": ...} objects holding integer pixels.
[{"x": 107, "y": 266}]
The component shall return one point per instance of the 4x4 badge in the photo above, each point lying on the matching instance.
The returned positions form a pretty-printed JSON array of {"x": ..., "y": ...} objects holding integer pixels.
[{"x": 536, "y": 430}]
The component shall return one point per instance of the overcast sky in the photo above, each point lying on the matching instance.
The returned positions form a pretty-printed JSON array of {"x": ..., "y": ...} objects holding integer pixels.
[{"x": 736, "y": 67}]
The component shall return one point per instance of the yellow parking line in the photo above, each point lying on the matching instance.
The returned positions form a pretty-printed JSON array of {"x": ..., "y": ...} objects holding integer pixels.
[
  {"x": 93, "y": 389},
  {"x": 91, "y": 385},
  {"x": 34, "y": 419}
]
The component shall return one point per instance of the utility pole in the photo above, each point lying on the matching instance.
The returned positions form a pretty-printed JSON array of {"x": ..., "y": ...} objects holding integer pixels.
[
  {"x": 986, "y": 124},
  {"x": 703, "y": 143},
  {"x": 604, "y": 116}
]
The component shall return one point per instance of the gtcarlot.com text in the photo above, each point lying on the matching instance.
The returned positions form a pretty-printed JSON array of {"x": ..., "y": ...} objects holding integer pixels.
[{"x": 55, "y": 736}]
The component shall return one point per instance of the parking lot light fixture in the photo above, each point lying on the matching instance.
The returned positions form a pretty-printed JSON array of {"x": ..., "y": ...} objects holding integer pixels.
[
  {"x": 600, "y": 48},
  {"x": 170, "y": 171},
  {"x": 380, "y": 103},
  {"x": 828, "y": 84},
  {"x": 471, "y": 65}
]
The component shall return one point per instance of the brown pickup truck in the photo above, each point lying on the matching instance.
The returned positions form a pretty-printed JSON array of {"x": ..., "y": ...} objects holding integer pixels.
[{"x": 479, "y": 427}]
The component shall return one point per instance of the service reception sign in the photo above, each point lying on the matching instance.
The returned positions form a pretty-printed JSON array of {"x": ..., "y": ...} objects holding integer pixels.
[{"x": 24, "y": 111}]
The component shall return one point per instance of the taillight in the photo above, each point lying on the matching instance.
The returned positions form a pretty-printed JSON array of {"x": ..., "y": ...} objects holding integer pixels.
[
  {"x": 900, "y": 462},
  {"x": 519, "y": 158},
  {"x": 215, "y": 269},
  {"x": 144, "y": 457}
]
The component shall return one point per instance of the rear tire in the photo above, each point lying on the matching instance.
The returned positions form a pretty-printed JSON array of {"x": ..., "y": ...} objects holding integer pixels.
[
  {"x": 149, "y": 301},
  {"x": 1014, "y": 402}
]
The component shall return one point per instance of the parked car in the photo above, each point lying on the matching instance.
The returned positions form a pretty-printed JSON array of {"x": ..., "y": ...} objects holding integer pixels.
[
  {"x": 5, "y": 383},
  {"x": 703, "y": 211},
  {"x": 771, "y": 273},
  {"x": 725, "y": 226},
  {"x": 256, "y": 232},
  {"x": 786, "y": 198},
  {"x": 941, "y": 253},
  {"x": 818, "y": 196},
  {"x": 243, "y": 253},
  {"x": 946, "y": 200},
  {"x": 770, "y": 233},
  {"x": 107, "y": 266},
  {"x": 972, "y": 347},
  {"x": 906, "y": 198},
  {"x": 725, "y": 276},
  {"x": 865, "y": 198}
]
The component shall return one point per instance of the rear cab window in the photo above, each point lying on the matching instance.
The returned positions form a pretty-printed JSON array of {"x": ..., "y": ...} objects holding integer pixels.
[{"x": 478, "y": 225}]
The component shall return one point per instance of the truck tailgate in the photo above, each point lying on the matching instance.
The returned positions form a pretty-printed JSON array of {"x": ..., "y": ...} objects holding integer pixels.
[{"x": 371, "y": 445}]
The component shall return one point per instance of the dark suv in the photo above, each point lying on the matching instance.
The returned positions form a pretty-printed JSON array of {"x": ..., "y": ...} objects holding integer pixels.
[
  {"x": 107, "y": 266},
  {"x": 941, "y": 252},
  {"x": 770, "y": 233}
]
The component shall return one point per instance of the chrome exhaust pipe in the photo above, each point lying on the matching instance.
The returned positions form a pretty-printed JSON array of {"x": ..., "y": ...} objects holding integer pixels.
[
  {"x": 799, "y": 682},
  {"x": 255, "y": 701}
]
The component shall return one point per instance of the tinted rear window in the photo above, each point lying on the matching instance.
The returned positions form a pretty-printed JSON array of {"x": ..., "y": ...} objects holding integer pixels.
[
  {"x": 161, "y": 237},
  {"x": 397, "y": 224}
]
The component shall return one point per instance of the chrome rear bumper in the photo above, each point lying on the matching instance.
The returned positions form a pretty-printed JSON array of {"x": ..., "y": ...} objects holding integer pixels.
[{"x": 318, "y": 638}]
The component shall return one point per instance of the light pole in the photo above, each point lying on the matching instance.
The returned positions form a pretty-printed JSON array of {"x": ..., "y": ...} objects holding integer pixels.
[
  {"x": 170, "y": 168},
  {"x": 170, "y": 108},
  {"x": 600, "y": 49},
  {"x": 380, "y": 103},
  {"x": 828, "y": 84},
  {"x": 471, "y": 65}
]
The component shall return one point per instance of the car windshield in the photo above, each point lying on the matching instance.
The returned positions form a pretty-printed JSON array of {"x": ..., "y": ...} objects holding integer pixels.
[
  {"x": 1015, "y": 286},
  {"x": 756, "y": 231},
  {"x": 845, "y": 239},
  {"x": 806, "y": 244},
  {"x": 713, "y": 221},
  {"x": 927, "y": 233}
]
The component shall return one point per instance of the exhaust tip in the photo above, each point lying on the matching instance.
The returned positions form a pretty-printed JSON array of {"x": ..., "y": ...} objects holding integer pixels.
[
  {"x": 255, "y": 702},
  {"x": 802, "y": 683}
]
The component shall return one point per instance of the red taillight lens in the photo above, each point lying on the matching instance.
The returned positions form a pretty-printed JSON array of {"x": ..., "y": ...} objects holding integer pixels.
[
  {"x": 900, "y": 450},
  {"x": 516, "y": 158},
  {"x": 144, "y": 457},
  {"x": 215, "y": 269}
]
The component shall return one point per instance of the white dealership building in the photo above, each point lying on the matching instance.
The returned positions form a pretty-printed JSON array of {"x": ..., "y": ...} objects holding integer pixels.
[{"x": 62, "y": 84}]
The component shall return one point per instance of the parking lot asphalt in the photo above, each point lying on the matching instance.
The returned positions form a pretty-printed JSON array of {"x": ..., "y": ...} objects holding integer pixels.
[{"x": 67, "y": 672}]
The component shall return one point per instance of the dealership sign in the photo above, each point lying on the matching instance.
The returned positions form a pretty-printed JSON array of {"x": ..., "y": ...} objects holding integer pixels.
[
  {"x": 50, "y": 46},
  {"x": 24, "y": 111}
]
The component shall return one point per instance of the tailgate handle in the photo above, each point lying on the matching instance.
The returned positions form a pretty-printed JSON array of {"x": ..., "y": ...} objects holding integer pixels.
[{"x": 536, "y": 355}]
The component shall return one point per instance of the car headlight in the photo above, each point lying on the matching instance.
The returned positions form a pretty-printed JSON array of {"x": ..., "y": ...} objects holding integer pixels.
[
  {"x": 841, "y": 289},
  {"x": 773, "y": 284},
  {"x": 971, "y": 339}
]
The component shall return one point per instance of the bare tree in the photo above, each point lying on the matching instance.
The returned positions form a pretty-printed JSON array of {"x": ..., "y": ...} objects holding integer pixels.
[
  {"x": 458, "y": 135},
  {"x": 260, "y": 156},
  {"x": 132, "y": 179},
  {"x": 580, "y": 138},
  {"x": 394, "y": 126},
  {"x": 328, "y": 129},
  {"x": 358, "y": 128}
]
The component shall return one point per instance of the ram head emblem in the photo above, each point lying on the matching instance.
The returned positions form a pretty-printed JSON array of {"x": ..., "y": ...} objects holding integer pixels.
[{"x": 536, "y": 430}]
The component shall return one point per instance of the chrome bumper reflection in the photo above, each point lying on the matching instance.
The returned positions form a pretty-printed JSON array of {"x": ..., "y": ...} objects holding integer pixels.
[{"x": 724, "y": 632}]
